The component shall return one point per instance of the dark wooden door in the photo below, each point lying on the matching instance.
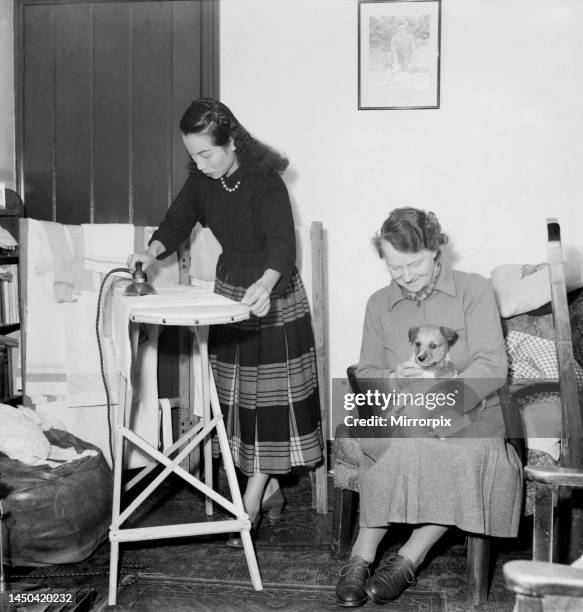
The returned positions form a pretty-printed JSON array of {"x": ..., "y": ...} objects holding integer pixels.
[{"x": 101, "y": 86}]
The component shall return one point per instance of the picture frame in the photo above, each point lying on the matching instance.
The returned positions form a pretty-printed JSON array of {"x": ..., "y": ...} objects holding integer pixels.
[{"x": 399, "y": 44}]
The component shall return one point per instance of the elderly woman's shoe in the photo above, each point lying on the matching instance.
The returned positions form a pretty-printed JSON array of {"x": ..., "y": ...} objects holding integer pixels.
[
  {"x": 235, "y": 541},
  {"x": 350, "y": 590},
  {"x": 392, "y": 577},
  {"x": 272, "y": 507}
]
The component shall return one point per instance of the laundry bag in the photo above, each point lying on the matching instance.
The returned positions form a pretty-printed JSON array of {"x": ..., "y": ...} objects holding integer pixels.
[{"x": 55, "y": 515}]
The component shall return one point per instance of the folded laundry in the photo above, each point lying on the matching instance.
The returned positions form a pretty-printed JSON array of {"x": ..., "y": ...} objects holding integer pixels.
[{"x": 22, "y": 438}]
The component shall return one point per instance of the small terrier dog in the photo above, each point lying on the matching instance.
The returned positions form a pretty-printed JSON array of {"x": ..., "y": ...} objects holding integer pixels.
[{"x": 431, "y": 346}]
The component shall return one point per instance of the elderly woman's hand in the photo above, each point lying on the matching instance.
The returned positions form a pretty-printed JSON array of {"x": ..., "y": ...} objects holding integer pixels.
[
  {"x": 408, "y": 369},
  {"x": 406, "y": 375}
]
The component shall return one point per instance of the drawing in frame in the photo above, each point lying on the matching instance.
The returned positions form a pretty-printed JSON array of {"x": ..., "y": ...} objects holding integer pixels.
[{"x": 398, "y": 54}]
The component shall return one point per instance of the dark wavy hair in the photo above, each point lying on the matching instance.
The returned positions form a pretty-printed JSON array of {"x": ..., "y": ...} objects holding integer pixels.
[
  {"x": 215, "y": 118},
  {"x": 411, "y": 230}
]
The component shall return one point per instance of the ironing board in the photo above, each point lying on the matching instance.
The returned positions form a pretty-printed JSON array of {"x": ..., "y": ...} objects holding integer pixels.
[{"x": 196, "y": 309}]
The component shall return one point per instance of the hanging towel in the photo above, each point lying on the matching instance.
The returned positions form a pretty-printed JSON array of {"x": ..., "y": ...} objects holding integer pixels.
[
  {"x": 139, "y": 239},
  {"x": 82, "y": 359},
  {"x": 62, "y": 262},
  {"x": 107, "y": 245},
  {"x": 45, "y": 319},
  {"x": 63, "y": 366},
  {"x": 82, "y": 279}
]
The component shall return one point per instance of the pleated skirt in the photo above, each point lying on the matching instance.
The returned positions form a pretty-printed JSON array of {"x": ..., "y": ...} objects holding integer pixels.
[
  {"x": 471, "y": 483},
  {"x": 266, "y": 378}
]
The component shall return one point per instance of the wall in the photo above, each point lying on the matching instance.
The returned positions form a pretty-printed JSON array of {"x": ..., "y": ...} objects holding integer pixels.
[
  {"x": 7, "y": 159},
  {"x": 503, "y": 153}
]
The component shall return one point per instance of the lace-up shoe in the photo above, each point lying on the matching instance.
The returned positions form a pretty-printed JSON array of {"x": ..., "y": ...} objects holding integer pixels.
[
  {"x": 350, "y": 591},
  {"x": 392, "y": 577}
]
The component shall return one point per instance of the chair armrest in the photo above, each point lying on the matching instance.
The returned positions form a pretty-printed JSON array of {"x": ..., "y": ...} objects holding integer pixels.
[
  {"x": 352, "y": 381},
  {"x": 554, "y": 475},
  {"x": 537, "y": 579},
  {"x": 518, "y": 391}
]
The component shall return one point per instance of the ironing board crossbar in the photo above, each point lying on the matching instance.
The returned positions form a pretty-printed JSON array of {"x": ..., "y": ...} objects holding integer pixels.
[
  {"x": 168, "y": 451},
  {"x": 139, "y": 534},
  {"x": 173, "y": 466}
]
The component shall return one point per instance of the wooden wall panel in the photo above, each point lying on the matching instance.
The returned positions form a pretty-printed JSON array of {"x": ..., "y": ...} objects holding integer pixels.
[
  {"x": 101, "y": 87},
  {"x": 73, "y": 111},
  {"x": 151, "y": 119},
  {"x": 38, "y": 127},
  {"x": 111, "y": 121},
  {"x": 186, "y": 79}
]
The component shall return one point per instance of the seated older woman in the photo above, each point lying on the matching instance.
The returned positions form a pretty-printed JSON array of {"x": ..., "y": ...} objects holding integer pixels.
[{"x": 465, "y": 475}]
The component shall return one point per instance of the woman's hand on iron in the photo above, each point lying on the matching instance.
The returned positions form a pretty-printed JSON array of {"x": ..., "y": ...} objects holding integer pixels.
[
  {"x": 146, "y": 259},
  {"x": 149, "y": 257},
  {"x": 257, "y": 298}
]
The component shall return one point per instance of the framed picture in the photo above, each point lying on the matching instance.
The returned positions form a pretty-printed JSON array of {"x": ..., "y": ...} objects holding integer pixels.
[{"x": 398, "y": 54}]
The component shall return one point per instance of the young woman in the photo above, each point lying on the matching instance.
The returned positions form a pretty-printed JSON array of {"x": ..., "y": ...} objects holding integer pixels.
[
  {"x": 466, "y": 476},
  {"x": 265, "y": 367}
]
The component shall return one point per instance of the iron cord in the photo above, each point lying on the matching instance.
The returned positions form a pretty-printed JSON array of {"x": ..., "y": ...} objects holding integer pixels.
[{"x": 101, "y": 364}]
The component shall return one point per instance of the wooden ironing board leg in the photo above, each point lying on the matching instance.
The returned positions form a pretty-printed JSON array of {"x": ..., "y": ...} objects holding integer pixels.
[
  {"x": 201, "y": 341},
  {"x": 234, "y": 485}
]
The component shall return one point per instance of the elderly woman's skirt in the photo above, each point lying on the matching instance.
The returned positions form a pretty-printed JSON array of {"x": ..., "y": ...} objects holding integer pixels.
[{"x": 472, "y": 483}]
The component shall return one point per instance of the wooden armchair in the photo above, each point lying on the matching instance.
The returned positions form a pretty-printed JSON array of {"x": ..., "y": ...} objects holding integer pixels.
[
  {"x": 557, "y": 512},
  {"x": 558, "y": 508},
  {"x": 545, "y": 587}
]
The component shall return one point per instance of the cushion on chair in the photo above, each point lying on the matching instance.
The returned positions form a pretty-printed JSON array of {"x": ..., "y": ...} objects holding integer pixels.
[
  {"x": 576, "y": 318},
  {"x": 539, "y": 323},
  {"x": 522, "y": 288},
  {"x": 347, "y": 456}
]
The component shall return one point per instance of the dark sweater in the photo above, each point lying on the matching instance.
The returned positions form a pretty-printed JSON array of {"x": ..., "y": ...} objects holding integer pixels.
[{"x": 255, "y": 220}]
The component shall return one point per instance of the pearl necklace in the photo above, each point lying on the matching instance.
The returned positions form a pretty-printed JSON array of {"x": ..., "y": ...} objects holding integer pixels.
[{"x": 230, "y": 189}]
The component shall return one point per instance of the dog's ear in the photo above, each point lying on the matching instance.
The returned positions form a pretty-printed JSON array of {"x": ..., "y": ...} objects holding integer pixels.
[
  {"x": 413, "y": 331},
  {"x": 450, "y": 335}
]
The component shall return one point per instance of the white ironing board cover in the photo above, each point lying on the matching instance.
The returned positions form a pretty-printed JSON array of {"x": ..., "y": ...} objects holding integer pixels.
[
  {"x": 203, "y": 314},
  {"x": 178, "y": 305}
]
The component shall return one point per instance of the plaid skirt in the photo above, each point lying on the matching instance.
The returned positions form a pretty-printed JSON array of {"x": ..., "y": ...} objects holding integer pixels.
[{"x": 266, "y": 379}]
